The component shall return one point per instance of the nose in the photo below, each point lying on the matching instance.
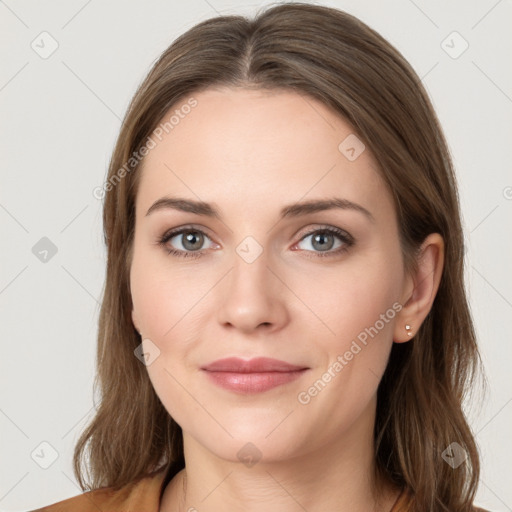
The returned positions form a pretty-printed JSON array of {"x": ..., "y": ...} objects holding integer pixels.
[{"x": 252, "y": 296}]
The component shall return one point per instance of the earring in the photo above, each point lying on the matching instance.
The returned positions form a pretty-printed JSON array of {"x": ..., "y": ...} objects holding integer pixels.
[{"x": 408, "y": 329}]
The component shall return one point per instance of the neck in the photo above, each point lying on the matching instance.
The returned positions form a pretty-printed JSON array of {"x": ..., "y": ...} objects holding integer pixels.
[{"x": 345, "y": 468}]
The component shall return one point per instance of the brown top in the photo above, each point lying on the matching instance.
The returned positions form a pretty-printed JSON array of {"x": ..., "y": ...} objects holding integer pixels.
[{"x": 144, "y": 496}]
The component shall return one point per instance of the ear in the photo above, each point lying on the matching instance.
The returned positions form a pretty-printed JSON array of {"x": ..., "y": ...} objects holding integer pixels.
[{"x": 420, "y": 289}]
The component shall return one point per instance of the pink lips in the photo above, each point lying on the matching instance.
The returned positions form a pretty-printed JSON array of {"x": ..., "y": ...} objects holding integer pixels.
[{"x": 253, "y": 376}]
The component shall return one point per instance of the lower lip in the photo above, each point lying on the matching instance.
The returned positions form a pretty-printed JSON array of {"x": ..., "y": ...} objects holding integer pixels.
[{"x": 253, "y": 382}]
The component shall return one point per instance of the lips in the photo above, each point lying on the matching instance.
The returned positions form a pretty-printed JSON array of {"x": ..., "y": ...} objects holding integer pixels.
[
  {"x": 253, "y": 376},
  {"x": 257, "y": 365}
]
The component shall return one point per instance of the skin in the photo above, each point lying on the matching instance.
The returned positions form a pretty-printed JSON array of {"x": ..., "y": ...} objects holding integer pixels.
[{"x": 250, "y": 153}]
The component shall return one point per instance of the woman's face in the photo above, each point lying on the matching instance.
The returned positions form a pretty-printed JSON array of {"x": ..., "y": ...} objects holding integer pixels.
[{"x": 252, "y": 282}]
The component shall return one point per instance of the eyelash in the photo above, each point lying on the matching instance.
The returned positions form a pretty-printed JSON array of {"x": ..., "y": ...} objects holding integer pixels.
[{"x": 343, "y": 236}]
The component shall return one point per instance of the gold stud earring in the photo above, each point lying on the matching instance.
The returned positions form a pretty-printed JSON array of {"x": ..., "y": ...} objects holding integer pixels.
[{"x": 408, "y": 329}]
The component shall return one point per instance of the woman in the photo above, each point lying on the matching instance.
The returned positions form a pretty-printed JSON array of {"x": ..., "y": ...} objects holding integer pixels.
[{"x": 284, "y": 324}]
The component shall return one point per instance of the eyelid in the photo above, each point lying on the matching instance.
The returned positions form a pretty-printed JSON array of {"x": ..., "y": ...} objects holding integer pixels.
[
  {"x": 307, "y": 231},
  {"x": 186, "y": 227},
  {"x": 328, "y": 228}
]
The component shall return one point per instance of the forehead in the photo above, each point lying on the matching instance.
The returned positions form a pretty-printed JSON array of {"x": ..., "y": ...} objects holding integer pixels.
[{"x": 251, "y": 147}]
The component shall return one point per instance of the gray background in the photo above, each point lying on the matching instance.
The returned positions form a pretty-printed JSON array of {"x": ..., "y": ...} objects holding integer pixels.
[{"x": 60, "y": 116}]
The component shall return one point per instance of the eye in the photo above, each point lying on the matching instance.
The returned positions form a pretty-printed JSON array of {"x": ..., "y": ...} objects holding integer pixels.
[
  {"x": 189, "y": 242},
  {"x": 324, "y": 240}
]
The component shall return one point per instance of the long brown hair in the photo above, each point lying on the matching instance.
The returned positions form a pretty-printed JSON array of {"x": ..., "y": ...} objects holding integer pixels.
[{"x": 329, "y": 55}]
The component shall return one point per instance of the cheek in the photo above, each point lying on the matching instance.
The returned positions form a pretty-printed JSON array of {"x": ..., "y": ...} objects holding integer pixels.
[
  {"x": 162, "y": 295},
  {"x": 351, "y": 300},
  {"x": 361, "y": 312},
  {"x": 164, "y": 299},
  {"x": 359, "y": 306},
  {"x": 171, "y": 304}
]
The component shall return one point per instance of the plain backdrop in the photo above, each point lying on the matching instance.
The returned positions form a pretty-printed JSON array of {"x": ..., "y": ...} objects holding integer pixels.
[{"x": 69, "y": 69}]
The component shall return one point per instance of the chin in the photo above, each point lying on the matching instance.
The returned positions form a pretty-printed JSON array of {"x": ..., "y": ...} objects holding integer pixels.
[{"x": 251, "y": 441}]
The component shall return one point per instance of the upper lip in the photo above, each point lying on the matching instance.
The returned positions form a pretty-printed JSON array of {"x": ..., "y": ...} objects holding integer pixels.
[{"x": 259, "y": 364}]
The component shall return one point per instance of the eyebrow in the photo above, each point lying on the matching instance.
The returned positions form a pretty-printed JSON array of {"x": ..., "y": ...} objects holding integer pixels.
[{"x": 291, "y": 210}]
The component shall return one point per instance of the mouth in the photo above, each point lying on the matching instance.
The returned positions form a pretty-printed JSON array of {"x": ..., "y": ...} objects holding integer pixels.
[{"x": 252, "y": 376}]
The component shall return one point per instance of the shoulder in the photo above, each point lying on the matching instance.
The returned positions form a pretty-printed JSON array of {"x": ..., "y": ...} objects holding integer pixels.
[{"x": 142, "y": 494}]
